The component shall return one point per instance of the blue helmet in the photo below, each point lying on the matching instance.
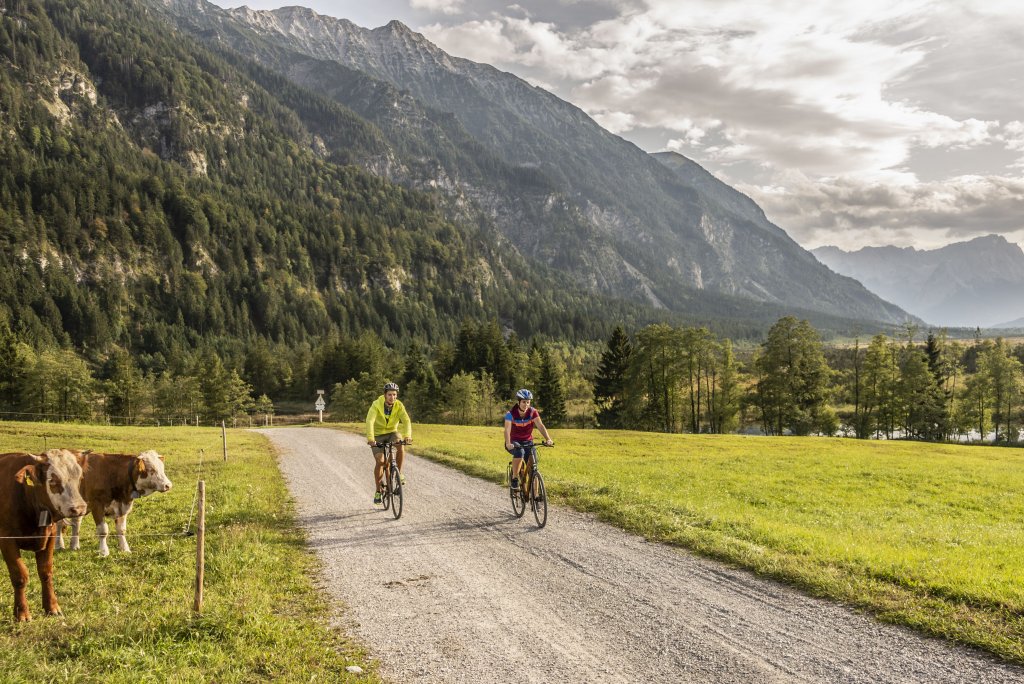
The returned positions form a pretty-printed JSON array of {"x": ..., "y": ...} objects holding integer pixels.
[{"x": 524, "y": 394}]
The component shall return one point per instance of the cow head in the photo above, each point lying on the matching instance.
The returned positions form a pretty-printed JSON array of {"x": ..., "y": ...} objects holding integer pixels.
[
  {"x": 150, "y": 476},
  {"x": 56, "y": 478}
]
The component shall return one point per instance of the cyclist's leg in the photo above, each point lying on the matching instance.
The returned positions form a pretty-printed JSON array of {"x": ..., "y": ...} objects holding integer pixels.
[
  {"x": 400, "y": 458},
  {"x": 378, "y": 453},
  {"x": 378, "y": 468},
  {"x": 517, "y": 465}
]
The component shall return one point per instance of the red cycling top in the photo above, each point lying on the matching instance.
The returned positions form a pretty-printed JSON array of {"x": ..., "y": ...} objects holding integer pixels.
[{"x": 522, "y": 424}]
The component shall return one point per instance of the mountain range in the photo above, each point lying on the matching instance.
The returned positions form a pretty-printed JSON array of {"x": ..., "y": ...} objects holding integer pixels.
[
  {"x": 174, "y": 175},
  {"x": 622, "y": 222},
  {"x": 966, "y": 284}
]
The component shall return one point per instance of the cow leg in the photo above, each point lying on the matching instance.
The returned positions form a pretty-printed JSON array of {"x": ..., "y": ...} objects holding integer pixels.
[
  {"x": 76, "y": 524},
  {"x": 19, "y": 579},
  {"x": 121, "y": 526},
  {"x": 44, "y": 566},
  {"x": 101, "y": 531},
  {"x": 61, "y": 524}
]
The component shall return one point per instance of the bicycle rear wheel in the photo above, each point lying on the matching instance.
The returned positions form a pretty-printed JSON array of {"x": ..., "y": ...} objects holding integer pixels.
[
  {"x": 397, "y": 494},
  {"x": 517, "y": 496},
  {"x": 539, "y": 500}
]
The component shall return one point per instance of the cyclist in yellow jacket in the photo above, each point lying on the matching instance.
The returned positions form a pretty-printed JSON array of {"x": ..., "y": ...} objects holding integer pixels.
[{"x": 387, "y": 418}]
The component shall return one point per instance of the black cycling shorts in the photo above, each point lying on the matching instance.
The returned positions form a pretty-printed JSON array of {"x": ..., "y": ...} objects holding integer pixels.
[{"x": 521, "y": 449}]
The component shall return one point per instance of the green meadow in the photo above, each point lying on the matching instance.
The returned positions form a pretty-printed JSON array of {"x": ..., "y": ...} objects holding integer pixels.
[
  {"x": 926, "y": 535},
  {"x": 128, "y": 617}
]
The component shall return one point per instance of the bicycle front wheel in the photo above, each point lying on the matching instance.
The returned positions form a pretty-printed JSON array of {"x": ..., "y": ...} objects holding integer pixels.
[
  {"x": 539, "y": 500},
  {"x": 397, "y": 494}
]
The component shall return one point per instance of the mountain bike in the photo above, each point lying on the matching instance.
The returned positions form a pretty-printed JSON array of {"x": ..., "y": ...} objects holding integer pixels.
[
  {"x": 531, "y": 486},
  {"x": 392, "y": 496}
]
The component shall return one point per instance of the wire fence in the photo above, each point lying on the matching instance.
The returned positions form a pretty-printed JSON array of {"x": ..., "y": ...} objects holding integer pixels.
[{"x": 246, "y": 420}]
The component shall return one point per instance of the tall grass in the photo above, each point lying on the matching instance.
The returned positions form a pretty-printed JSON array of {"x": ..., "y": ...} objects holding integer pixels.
[
  {"x": 128, "y": 618},
  {"x": 930, "y": 536}
]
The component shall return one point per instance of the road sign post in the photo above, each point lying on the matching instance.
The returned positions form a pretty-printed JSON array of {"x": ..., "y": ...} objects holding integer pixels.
[{"x": 320, "y": 405}]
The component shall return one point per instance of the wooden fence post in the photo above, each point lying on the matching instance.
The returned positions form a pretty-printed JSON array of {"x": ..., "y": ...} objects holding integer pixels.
[
  {"x": 197, "y": 606},
  {"x": 224, "y": 438}
]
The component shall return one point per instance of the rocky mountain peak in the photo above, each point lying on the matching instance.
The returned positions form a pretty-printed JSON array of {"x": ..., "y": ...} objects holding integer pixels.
[
  {"x": 398, "y": 28},
  {"x": 640, "y": 226}
]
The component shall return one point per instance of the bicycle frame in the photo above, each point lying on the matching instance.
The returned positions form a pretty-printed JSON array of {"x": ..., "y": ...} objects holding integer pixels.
[
  {"x": 393, "y": 495},
  {"x": 531, "y": 486}
]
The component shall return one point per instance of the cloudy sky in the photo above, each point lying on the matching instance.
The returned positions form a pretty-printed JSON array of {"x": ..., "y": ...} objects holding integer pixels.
[{"x": 851, "y": 123}]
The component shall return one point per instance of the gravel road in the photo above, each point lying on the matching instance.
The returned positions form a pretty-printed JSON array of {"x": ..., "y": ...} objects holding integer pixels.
[{"x": 458, "y": 590}]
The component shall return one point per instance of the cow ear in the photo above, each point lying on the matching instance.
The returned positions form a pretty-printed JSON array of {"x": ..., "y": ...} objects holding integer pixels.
[
  {"x": 28, "y": 476},
  {"x": 161, "y": 458},
  {"x": 142, "y": 468}
]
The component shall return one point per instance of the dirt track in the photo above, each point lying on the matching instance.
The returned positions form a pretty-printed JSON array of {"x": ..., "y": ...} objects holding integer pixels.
[{"x": 458, "y": 590}]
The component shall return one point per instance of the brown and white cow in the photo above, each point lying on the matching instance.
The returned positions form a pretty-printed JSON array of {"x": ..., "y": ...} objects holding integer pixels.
[
  {"x": 110, "y": 485},
  {"x": 35, "y": 491}
]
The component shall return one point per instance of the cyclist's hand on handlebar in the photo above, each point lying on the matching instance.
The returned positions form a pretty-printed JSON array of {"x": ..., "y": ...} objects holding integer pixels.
[
  {"x": 371, "y": 442},
  {"x": 508, "y": 446},
  {"x": 407, "y": 440},
  {"x": 549, "y": 442}
]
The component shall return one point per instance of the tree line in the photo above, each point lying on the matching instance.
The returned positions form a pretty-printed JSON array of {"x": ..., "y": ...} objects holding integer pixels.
[
  {"x": 685, "y": 380},
  {"x": 660, "y": 378},
  {"x": 58, "y": 384}
]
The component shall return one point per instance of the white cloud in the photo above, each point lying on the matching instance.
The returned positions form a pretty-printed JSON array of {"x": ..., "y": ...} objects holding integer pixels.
[
  {"x": 851, "y": 212},
  {"x": 442, "y": 6},
  {"x": 616, "y": 122},
  {"x": 480, "y": 41},
  {"x": 824, "y": 102}
]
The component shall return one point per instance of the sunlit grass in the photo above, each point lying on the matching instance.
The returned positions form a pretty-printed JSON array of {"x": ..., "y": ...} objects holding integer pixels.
[
  {"x": 926, "y": 535},
  {"x": 128, "y": 618}
]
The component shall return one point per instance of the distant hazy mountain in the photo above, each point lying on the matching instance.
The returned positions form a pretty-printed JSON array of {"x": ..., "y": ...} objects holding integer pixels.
[
  {"x": 557, "y": 185},
  {"x": 975, "y": 283}
]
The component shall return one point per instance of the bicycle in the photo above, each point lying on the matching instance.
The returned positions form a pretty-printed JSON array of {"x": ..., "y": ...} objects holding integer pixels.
[
  {"x": 531, "y": 486},
  {"x": 392, "y": 495}
]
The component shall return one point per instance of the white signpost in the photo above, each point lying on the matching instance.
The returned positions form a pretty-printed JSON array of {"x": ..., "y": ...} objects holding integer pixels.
[{"x": 320, "y": 405}]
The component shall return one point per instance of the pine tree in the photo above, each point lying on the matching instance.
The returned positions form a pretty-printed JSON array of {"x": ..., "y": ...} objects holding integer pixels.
[
  {"x": 10, "y": 370},
  {"x": 793, "y": 380},
  {"x": 611, "y": 376},
  {"x": 550, "y": 395}
]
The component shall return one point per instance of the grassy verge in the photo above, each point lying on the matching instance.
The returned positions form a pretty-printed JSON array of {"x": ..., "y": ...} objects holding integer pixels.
[
  {"x": 929, "y": 536},
  {"x": 128, "y": 618}
]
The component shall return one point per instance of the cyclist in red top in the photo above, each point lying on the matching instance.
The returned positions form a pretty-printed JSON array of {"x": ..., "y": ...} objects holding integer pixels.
[{"x": 519, "y": 422}]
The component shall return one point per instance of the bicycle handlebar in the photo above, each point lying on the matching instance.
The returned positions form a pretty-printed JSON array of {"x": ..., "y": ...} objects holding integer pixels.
[{"x": 381, "y": 445}]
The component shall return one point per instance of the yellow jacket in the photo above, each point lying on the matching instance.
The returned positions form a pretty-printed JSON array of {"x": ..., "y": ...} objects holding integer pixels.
[{"x": 379, "y": 424}]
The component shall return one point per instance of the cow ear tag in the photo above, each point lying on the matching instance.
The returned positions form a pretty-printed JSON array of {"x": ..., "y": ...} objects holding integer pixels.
[
  {"x": 44, "y": 518},
  {"x": 28, "y": 480}
]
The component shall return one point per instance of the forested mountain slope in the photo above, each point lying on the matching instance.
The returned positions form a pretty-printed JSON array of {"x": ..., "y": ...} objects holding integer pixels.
[
  {"x": 629, "y": 225},
  {"x": 156, "y": 194},
  {"x": 161, "y": 195}
]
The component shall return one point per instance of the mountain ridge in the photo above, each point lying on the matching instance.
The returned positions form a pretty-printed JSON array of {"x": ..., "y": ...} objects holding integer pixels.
[
  {"x": 166, "y": 196},
  {"x": 979, "y": 282},
  {"x": 646, "y": 231}
]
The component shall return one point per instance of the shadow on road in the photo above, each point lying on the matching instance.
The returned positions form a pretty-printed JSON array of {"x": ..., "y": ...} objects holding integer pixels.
[{"x": 379, "y": 528}]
